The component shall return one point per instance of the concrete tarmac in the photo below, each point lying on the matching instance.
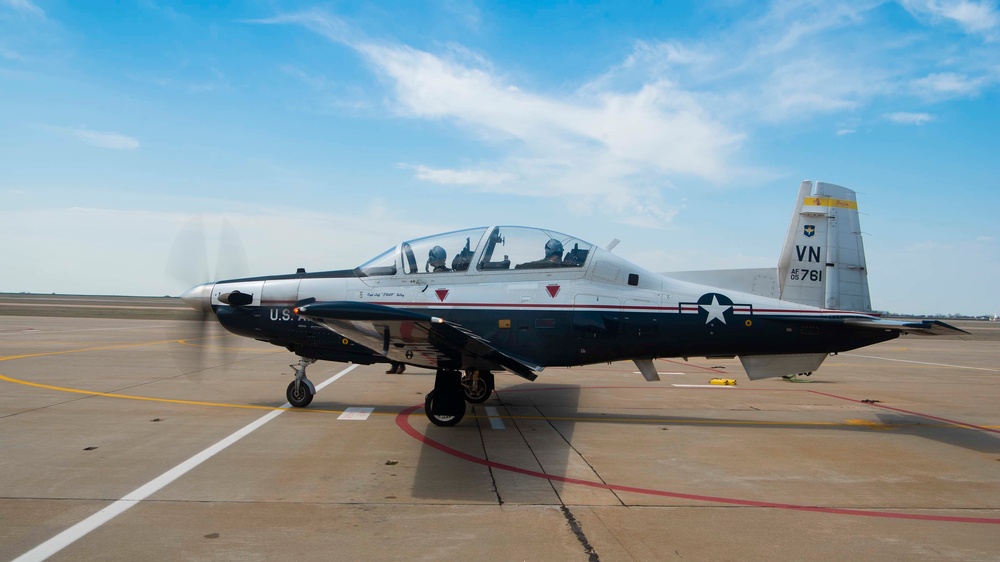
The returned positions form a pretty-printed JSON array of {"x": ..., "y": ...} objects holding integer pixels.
[{"x": 890, "y": 452}]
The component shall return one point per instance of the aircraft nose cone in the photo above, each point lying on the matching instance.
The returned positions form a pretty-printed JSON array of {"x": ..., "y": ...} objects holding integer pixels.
[{"x": 199, "y": 297}]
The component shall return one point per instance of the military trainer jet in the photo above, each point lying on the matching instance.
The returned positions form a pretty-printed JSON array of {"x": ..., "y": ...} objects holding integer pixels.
[{"x": 474, "y": 302}]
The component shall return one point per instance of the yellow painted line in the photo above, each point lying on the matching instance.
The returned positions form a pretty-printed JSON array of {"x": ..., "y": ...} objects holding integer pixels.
[
  {"x": 133, "y": 397},
  {"x": 872, "y": 425},
  {"x": 830, "y": 202},
  {"x": 87, "y": 349}
]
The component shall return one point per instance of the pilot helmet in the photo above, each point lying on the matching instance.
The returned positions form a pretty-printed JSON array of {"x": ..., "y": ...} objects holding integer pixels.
[
  {"x": 437, "y": 256},
  {"x": 553, "y": 248}
]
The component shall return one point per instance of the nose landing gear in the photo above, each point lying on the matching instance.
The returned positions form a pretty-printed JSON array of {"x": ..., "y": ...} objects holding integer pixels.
[{"x": 300, "y": 391}]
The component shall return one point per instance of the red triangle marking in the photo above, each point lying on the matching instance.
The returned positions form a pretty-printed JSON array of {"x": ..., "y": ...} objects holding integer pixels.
[
  {"x": 441, "y": 293},
  {"x": 553, "y": 290}
]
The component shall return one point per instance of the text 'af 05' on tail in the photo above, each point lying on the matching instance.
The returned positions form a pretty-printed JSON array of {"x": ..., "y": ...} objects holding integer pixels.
[{"x": 822, "y": 263}]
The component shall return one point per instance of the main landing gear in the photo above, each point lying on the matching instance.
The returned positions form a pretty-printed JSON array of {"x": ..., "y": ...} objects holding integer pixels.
[
  {"x": 300, "y": 391},
  {"x": 445, "y": 405}
]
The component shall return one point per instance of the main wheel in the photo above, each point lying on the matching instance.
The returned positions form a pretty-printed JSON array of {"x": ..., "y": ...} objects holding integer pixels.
[
  {"x": 299, "y": 396},
  {"x": 437, "y": 419},
  {"x": 477, "y": 389}
]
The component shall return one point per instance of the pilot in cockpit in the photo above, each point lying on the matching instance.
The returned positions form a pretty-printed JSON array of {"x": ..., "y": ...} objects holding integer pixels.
[
  {"x": 436, "y": 259},
  {"x": 553, "y": 251}
]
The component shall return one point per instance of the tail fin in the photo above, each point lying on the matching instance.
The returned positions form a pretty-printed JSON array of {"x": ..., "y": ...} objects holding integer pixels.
[{"x": 823, "y": 260}]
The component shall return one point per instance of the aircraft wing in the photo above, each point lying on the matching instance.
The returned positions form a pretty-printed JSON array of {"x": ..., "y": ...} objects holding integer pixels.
[{"x": 414, "y": 338}]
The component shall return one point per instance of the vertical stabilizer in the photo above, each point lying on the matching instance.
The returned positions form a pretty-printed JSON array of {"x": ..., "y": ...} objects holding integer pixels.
[{"x": 823, "y": 260}]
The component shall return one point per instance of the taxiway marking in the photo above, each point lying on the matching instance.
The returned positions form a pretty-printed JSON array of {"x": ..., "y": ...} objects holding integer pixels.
[
  {"x": 81, "y": 529},
  {"x": 923, "y": 363},
  {"x": 403, "y": 422},
  {"x": 355, "y": 413},
  {"x": 495, "y": 421}
]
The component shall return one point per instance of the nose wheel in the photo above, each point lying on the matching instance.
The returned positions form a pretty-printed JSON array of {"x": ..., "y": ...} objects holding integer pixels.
[
  {"x": 298, "y": 394},
  {"x": 300, "y": 391}
]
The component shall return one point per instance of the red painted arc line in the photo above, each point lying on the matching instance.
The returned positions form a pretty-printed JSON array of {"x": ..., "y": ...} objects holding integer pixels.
[{"x": 403, "y": 422}]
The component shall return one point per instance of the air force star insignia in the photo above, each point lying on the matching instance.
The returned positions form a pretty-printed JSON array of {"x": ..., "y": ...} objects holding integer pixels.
[{"x": 809, "y": 230}]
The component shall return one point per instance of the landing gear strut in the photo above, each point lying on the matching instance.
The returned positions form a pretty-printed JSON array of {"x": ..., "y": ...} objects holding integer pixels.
[
  {"x": 477, "y": 386},
  {"x": 445, "y": 405},
  {"x": 301, "y": 390},
  {"x": 795, "y": 377}
]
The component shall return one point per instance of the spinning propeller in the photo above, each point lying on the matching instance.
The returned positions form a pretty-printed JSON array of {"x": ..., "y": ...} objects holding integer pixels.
[{"x": 201, "y": 344}]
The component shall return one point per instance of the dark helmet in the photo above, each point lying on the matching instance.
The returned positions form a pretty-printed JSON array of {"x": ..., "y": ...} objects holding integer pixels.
[
  {"x": 437, "y": 256},
  {"x": 553, "y": 248}
]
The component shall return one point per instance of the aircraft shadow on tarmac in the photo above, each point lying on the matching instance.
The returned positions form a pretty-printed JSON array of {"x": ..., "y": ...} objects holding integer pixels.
[
  {"x": 949, "y": 434},
  {"x": 539, "y": 423}
]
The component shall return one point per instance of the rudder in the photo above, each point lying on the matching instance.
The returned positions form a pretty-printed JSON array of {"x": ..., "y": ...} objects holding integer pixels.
[{"x": 823, "y": 260}]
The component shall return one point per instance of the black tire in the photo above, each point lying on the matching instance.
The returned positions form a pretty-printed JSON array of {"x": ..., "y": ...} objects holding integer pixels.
[
  {"x": 477, "y": 391},
  {"x": 299, "y": 397},
  {"x": 439, "y": 420}
]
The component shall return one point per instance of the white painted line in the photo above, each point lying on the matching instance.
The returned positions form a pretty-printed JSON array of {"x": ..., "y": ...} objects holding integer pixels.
[
  {"x": 495, "y": 421},
  {"x": 704, "y": 385},
  {"x": 81, "y": 529},
  {"x": 922, "y": 363},
  {"x": 356, "y": 414},
  {"x": 664, "y": 373}
]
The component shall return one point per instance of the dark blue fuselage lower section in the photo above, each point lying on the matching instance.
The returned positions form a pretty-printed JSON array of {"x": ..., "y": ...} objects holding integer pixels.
[{"x": 565, "y": 337}]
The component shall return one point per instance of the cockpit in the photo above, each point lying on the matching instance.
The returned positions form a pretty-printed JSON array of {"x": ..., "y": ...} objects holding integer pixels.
[{"x": 501, "y": 248}]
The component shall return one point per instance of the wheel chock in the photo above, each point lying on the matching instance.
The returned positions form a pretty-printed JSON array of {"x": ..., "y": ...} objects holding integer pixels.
[{"x": 724, "y": 382}]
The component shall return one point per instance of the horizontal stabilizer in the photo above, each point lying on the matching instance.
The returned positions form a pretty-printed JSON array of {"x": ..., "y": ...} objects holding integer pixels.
[
  {"x": 922, "y": 328},
  {"x": 761, "y": 281}
]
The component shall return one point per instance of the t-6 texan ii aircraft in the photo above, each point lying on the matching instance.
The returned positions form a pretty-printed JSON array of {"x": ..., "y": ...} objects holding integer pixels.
[{"x": 474, "y": 302}]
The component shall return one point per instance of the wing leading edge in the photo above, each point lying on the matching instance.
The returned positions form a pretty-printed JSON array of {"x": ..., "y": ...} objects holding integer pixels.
[{"x": 410, "y": 337}]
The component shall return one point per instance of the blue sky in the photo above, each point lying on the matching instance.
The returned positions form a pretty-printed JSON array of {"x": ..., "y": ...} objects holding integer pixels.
[{"x": 325, "y": 132}]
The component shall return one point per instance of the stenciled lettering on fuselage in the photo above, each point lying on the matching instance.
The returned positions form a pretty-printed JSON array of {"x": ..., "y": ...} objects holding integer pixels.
[{"x": 282, "y": 315}]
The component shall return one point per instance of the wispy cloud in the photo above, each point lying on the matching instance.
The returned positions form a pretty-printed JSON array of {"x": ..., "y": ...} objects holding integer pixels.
[
  {"x": 602, "y": 145},
  {"x": 103, "y": 139},
  {"x": 11, "y": 55},
  {"x": 461, "y": 177},
  {"x": 905, "y": 118},
  {"x": 949, "y": 84},
  {"x": 673, "y": 111},
  {"x": 973, "y": 17},
  {"x": 25, "y": 7}
]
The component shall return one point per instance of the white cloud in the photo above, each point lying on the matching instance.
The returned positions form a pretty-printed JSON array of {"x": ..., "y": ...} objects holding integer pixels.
[
  {"x": 671, "y": 112},
  {"x": 601, "y": 145},
  {"x": 949, "y": 84},
  {"x": 973, "y": 17},
  {"x": 483, "y": 178},
  {"x": 101, "y": 139},
  {"x": 904, "y": 118}
]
